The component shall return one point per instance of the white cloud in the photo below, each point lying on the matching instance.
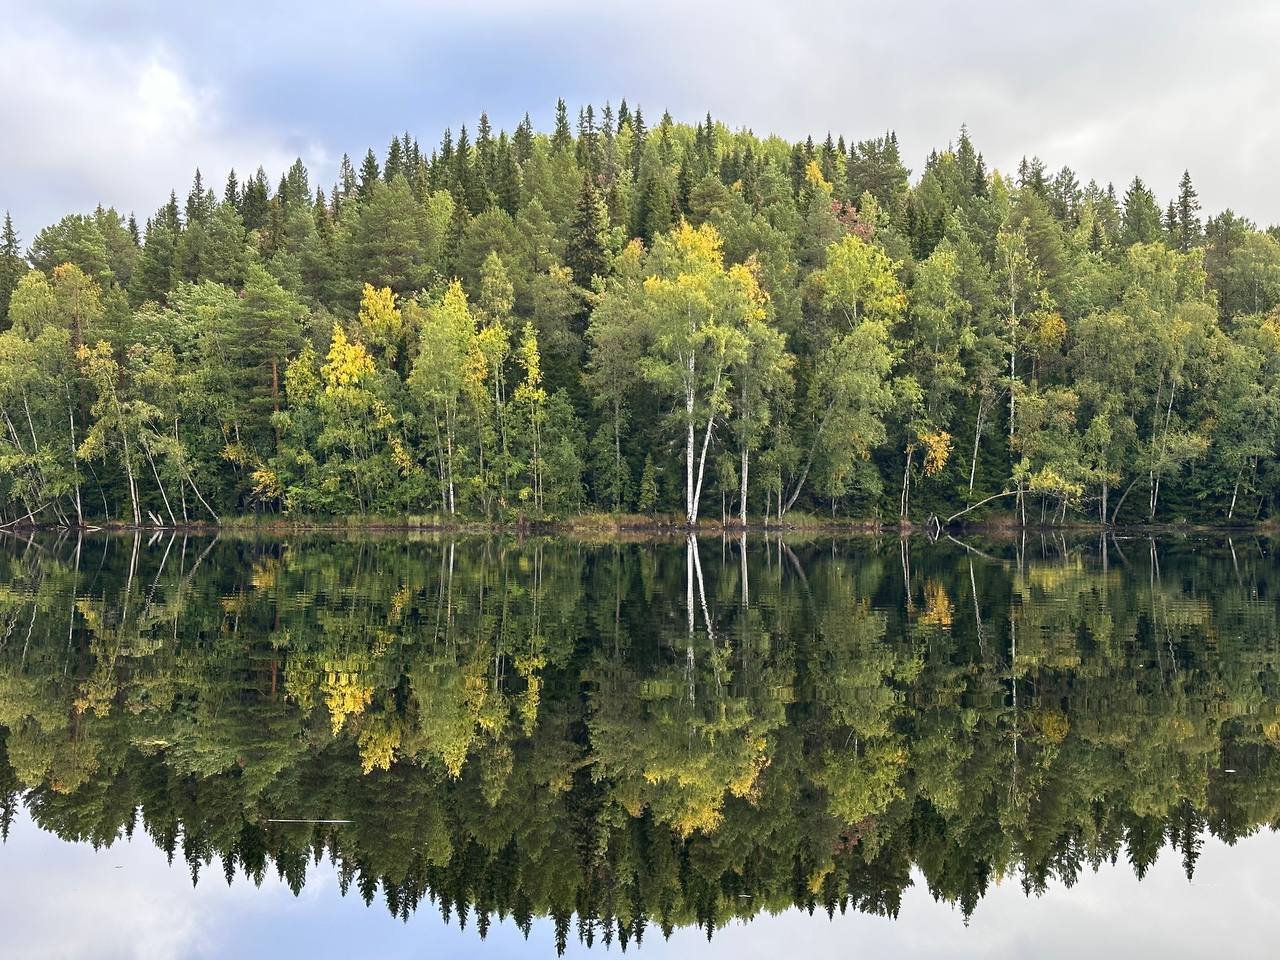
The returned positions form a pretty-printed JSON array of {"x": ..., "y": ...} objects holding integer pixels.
[{"x": 87, "y": 122}]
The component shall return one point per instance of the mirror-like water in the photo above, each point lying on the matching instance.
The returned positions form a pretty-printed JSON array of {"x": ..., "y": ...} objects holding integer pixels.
[{"x": 607, "y": 745}]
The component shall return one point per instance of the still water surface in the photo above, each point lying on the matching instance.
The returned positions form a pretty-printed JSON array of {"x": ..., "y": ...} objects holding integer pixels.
[{"x": 409, "y": 748}]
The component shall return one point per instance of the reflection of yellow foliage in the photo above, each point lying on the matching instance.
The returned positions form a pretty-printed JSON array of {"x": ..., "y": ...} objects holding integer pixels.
[
  {"x": 529, "y": 667},
  {"x": 378, "y": 740},
  {"x": 1271, "y": 731},
  {"x": 863, "y": 786},
  {"x": 264, "y": 574},
  {"x": 346, "y": 693},
  {"x": 820, "y": 875},
  {"x": 1053, "y": 724},
  {"x": 938, "y": 609}
]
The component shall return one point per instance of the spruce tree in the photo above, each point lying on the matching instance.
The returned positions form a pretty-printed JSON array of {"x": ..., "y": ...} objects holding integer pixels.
[
  {"x": 154, "y": 273},
  {"x": 12, "y": 265},
  {"x": 231, "y": 192},
  {"x": 1187, "y": 223},
  {"x": 507, "y": 186},
  {"x": 199, "y": 204},
  {"x": 395, "y": 160},
  {"x": 641, "y": 135},
  {"x": 1096, "y": 238},
  {"x": 647, "y": 499},
  {"x": 585, "y": 254},
  {"x": 562, "y": 137},
  {"x": 466, "y": 185},
  {"x": 1140, "y": 222},
  {"x": 254, "y": 201},
  {"x": 346, "y": 176},
  {"x": 522, "y": 141},
  {"x": 486, "y": 159},
  {"x": 369, "y": 174}
]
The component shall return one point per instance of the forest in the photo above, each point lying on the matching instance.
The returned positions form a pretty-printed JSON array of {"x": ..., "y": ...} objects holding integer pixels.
[
  {"x": 517, "y": 730},
  {"x": 661, "y": 320}
]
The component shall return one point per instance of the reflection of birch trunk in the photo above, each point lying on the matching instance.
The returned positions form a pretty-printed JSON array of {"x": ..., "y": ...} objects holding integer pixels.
[
  {"x": 75, "y": 586},
  {"x": 977, "y": 613},
  {"x": 688, "y": 577},
  {"x": 128, "y": 583},
  {"x": 1013, "y": 683},
  {"x": 706, "y": 617},
  {"x": 702, "y": 593}
]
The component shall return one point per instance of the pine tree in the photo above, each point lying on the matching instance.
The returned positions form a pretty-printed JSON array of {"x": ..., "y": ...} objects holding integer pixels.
[{"x": 267, "y": 328}]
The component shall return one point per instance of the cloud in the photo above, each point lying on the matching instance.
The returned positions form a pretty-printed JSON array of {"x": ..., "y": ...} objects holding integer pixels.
[
  {"x": 120, "y": 102},
  {"x": 92, "y": 122}
]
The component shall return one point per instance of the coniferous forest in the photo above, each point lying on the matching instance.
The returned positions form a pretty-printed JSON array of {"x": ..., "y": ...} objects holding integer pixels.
[{"x": 635, "y": 315}]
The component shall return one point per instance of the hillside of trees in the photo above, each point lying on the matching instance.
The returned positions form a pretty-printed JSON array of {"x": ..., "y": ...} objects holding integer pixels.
[{"x": 675, "y": 319}]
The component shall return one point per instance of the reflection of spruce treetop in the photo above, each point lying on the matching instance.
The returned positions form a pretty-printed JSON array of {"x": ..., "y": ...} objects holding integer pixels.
[
  {"x": 624, "y": 737},
  {"x": 723, "y": 323}
]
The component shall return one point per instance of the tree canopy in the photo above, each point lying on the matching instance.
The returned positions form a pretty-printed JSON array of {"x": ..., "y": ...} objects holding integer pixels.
[{"x": 657, "y": 319}]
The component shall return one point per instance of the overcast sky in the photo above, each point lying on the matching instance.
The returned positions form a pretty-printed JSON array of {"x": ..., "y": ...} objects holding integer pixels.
[{"x": 119, "y": 101}]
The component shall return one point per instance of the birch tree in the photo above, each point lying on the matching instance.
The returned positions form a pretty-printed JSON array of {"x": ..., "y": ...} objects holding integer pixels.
[{"x": 697, "y": 311}]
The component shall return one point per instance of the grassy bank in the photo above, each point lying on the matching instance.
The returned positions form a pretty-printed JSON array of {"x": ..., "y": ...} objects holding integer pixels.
[{"x": 603, "y": 526}]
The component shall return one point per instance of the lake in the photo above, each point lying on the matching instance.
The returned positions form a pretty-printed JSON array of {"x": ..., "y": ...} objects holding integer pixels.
[{"x": 389, "y": 746}]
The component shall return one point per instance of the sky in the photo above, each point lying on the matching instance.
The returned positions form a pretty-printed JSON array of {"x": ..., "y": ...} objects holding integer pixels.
[
  {"x": 118, "y": 102},
  {"x": 59, "y": 899}
]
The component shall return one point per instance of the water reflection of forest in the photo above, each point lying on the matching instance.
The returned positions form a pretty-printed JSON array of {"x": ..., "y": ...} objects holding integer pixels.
[{"x": 627, "y": 736}]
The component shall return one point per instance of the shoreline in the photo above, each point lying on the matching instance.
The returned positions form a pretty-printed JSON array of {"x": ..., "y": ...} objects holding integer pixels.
[{"x": 630, "y": 526}]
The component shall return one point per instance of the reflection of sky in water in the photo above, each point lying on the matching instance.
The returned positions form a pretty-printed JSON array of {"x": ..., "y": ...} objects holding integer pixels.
[{"x": 64, "y": 900}]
